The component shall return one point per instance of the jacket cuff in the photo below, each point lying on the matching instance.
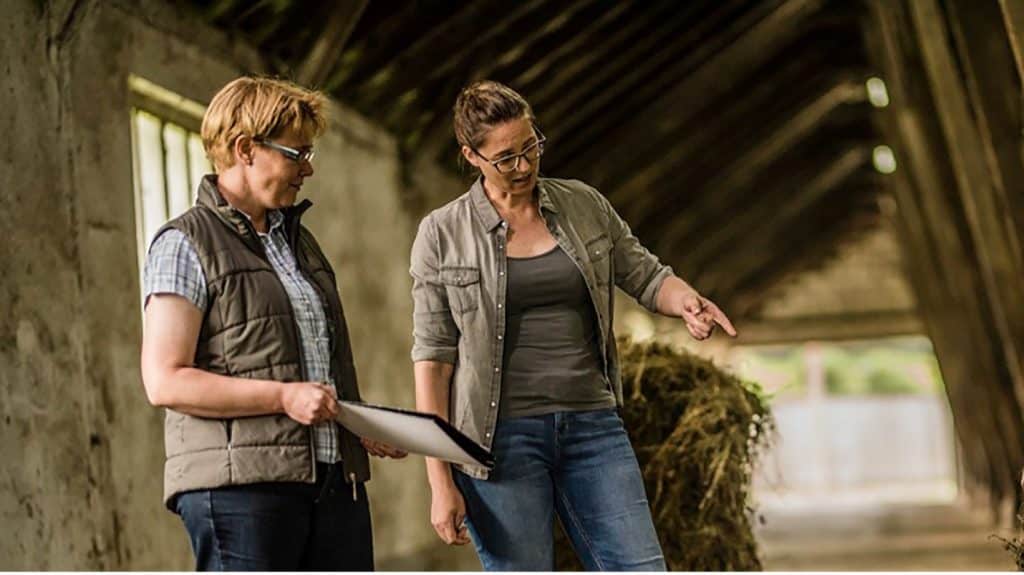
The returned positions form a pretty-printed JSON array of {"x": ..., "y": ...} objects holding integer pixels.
[
  {"x": 649, "y": 297},
  {"x": 438, "y": 354}
]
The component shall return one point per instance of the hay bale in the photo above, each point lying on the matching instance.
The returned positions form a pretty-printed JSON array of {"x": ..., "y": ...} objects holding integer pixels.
[{"x": 696, "y": 430}]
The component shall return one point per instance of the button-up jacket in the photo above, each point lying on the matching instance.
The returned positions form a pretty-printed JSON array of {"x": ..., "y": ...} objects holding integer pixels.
[{"x": 459, "y": 272}]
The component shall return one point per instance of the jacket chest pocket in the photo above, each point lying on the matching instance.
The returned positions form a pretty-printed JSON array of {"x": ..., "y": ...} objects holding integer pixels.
[
  {"x": 598, "y": 251},
  {"x": 463, "y": 287}
]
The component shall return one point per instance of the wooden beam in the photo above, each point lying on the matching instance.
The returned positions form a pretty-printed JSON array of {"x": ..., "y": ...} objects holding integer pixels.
[
  {"x": 631, "y": 170},
  {"x": 745, "y": 169},
  {"x": 619, "y": 72},
  {"x": 743, "y": 277},
  {"x": 802, "y": 163},
  {"x": 1013, "y": 19},
  {"x": 984, "y": 204},
  {"x": 839, "y": 327},
  {"x": 466, "y": 31},
  {"x": 590, "y": 31},
  {"x": 329, "y": 45},
  {"x": 589, "y": 41},
  {"x": 505, "y": 46},
  {"x": 940, "y": 258},
  {"x": 780, "y": 212},
  {"x": 710, "y": 71},
  {"x": 775, "y": 186},
  {"x": 598, "y": 33},
  {"x": 423, "y": 96},
  {"x": 923, "y": 253},
  {"x": 751, "y": 291},
  {"x": 373, "y": 47},
  {"x": 989, "y": 69},
  {"x": 220, "y": 9}
]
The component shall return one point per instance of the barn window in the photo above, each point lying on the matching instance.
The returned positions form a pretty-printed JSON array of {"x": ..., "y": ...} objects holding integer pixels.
[{"x": 168, "y": 159}]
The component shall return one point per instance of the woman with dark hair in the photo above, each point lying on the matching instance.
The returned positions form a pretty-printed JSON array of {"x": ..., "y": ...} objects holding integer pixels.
[{"x": 512, "y": 286}]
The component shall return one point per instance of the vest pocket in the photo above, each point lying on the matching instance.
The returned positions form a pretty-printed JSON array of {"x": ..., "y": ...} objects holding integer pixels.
[
  {"x": 463, "y": 287},
  {"x": 267, "y": 431}
]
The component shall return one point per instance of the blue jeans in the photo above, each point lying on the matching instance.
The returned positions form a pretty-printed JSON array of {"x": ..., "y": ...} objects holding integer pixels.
[
  {"x": 280, "y": 526},
  {"x": 579, "y": 465}
]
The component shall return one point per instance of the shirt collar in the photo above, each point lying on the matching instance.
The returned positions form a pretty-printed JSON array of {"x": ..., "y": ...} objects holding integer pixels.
[
  {"x": 545, "y": 201},
  {"x": 210, "y": 195},
  {"x": 485, "y": 209},
  {"x": 275, "y": 219}
]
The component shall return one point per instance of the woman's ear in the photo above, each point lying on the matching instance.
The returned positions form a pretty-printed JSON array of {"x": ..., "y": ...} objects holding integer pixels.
[
  {"x": 470, "y": 156},
  {"x": 243, "y": 150}
]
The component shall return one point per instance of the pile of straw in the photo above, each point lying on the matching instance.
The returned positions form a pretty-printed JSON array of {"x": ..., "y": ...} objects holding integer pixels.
[
  {"x": 696, "y": 430},
  {"x": 1015, "y": 545}
]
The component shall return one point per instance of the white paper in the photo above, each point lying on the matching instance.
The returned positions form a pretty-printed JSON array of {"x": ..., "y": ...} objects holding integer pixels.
[{"x": 407, "y": 431}]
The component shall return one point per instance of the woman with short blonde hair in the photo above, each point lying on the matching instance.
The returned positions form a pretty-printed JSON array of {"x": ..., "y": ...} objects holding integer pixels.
[{"x": 246, "y": 346}]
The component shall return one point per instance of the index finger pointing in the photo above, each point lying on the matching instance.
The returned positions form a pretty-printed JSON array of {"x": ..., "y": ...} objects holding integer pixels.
[{"x": 721, "y": 319}]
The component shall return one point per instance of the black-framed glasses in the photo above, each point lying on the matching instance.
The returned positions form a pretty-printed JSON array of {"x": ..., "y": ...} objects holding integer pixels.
[
  {"x": 510, "y": 163},
  {"x": 290, "y": 153}
]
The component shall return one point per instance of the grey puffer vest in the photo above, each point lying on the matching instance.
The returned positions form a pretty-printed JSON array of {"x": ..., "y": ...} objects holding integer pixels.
[{"x": 249, "y": 331}]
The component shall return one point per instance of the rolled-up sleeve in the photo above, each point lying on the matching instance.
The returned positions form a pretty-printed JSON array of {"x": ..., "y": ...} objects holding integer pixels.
[
  {"x": 435, "y": 335},
  {"x": 638, "y": 272}
]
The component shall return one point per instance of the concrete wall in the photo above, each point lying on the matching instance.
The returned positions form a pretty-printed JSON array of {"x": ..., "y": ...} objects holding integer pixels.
[{"x": 80, "y": 487}]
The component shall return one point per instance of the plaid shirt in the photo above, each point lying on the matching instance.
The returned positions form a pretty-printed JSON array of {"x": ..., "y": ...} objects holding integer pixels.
[{"x": 172, "y": 266}]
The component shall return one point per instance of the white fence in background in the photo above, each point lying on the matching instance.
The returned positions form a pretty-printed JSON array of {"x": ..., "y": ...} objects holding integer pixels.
[{"x": 832, "y": 444}]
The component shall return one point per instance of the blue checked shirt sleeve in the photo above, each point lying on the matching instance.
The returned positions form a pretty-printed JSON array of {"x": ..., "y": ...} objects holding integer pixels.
[{"x": 172, "y": 266}]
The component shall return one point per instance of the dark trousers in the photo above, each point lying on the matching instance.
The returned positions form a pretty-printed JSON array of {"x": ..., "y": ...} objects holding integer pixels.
[{"x": 280, "y": 526}]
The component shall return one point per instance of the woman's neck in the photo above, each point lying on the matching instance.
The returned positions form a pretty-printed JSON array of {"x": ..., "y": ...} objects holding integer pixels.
[
  {"x": 232, "y": 189},
  {"x": 511, "y": 206}
]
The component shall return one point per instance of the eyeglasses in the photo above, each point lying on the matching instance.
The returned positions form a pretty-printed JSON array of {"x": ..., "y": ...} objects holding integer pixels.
[
  {"x": 290, "y": 153},
  {"x": 510, "y": 163}
]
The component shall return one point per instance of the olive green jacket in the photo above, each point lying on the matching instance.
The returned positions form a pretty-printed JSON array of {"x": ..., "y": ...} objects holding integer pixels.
[{"x": 459, "y": 282}]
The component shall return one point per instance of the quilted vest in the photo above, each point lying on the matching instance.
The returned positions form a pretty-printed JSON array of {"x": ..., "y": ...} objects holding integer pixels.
[{"x": 249, "y": 331}]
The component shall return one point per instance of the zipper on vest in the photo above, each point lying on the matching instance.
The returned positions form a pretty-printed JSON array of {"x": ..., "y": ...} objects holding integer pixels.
[
  {"x": 305, "y": 377},
  {"x": 295, "y": 324},
  {"x": 355, "y": 494},
  {"x": 302, "y": 367},
  {"x": 293, "y": 245}
]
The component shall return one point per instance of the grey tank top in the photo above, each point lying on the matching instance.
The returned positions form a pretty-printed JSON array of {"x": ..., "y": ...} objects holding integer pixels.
[{"x": 552, "y": 360}]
